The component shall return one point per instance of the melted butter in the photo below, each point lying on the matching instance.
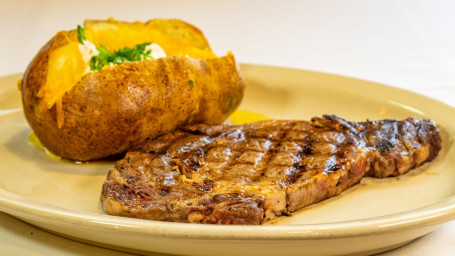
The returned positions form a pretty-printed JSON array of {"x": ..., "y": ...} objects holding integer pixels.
[
  {"x": 32, "y": 139},
  {"x": 241, "y": 116}
]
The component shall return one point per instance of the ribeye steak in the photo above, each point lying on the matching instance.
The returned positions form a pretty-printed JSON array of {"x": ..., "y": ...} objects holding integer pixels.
[{"x": 248, "y": 174}]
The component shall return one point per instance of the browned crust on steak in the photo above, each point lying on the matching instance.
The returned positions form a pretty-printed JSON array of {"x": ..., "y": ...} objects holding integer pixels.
[
  {"x": 251, "y": 173},
  {"x": 395, "y": 147}
]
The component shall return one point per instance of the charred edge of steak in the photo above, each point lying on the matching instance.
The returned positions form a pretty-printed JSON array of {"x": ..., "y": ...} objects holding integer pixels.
[
  {"x": 235, "y": 208},
  {"x": 127, "y": 200},
  {"x": 325, "y": 187},
  {"x": 395, "y": 146},
  {"x": 399, "y": 146},
  {"x": 175, "y": 177}
]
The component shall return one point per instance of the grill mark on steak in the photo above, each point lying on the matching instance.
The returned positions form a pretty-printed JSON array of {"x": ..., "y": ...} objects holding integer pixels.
[{"x": 251, "y": 173}]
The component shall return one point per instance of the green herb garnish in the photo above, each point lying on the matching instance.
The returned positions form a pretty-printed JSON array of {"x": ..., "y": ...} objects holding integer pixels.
[
  {"x": 105, "y": 57},
  {"x": 191, "y": 82},
  {"x": 118, "y": 57},
  {"x": 81, "y": 34}
]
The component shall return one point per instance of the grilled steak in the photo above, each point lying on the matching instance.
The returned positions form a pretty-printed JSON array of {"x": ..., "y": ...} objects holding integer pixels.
[{"x": 249, "y": 174}]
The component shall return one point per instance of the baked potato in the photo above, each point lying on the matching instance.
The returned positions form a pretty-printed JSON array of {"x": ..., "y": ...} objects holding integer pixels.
[{"x": 85, "y": 109}]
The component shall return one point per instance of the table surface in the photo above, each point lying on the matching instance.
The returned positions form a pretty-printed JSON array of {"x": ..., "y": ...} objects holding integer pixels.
[{"x": 406, "y": 44}]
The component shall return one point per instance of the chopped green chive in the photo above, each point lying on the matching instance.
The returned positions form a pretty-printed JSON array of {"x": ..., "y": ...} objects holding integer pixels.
[
  {"x": 121, "y": 56},
  {"x": 81, "y": 34},
  {"x": 105, "y": 57}
]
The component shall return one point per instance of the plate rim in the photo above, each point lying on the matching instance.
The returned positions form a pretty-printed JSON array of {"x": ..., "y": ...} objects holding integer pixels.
[{"x": 432, "y": 214}]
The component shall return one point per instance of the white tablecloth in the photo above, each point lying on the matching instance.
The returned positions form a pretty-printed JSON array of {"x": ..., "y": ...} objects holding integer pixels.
[{"x": 408, "y": 44}]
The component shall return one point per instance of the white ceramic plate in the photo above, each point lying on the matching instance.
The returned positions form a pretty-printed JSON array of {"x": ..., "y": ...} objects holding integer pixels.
[{"x": 374, "y": 216}]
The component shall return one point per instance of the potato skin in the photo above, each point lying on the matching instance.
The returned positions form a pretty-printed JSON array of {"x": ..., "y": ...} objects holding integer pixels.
[{"x": 111, "y": 111}]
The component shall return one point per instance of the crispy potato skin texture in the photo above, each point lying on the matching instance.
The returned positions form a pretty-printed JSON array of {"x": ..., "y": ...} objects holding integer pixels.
[{"x": 111, "y": 111}]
